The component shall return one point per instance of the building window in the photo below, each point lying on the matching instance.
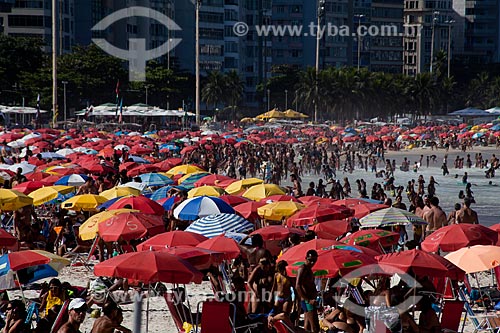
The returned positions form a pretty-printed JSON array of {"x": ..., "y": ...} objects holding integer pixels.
[{"x": 25, "y": 21}]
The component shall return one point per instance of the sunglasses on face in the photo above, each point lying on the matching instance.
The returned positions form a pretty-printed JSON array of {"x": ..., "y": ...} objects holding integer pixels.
[
  {"x": 9, "y": 308},
  {"x": 80, "y": 310}
]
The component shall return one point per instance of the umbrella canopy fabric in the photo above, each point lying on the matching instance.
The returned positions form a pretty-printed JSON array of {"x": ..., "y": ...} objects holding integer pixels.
[
  {"x": 149, "y": 267},
  {"x": 234, "y": 200},
  {"x": 194, "y": 208},
  {"x": 7, "y": 239},
  {"x": 86, "y": 202},
  {"x": 249, "y": 209},
  {"x": 278, "y": 210},
  {"x": 72, "y": 180},
  {"x": 331, "y": 229},
  {"x": 120, "y": 192},
  {"x": 457, "y": 236},
  {"x": 372, "y": 238},
  {"x": 333, "y": 262},
  {"x": 17, "y": 261},
  {"x": 189, "y": 180},
  {"x": 49, "y": 193},
  {"x": 141, "y": 203},
  {"x": 214, "y": 225},
  {"x": 11, "y": 200},
  {"x": 280, "y": 197},
  {"x": 129, "y": 226},
  {"x": 155, "y": 179},
  {"x": 171, "y": 238},
  {"x": 298, "y": 252},
  {"x": 318, "y": 212},
  {"x": 163, "y": 192},
  {"x": 29, "y": 186},
  {"x": 88, "y": 230},
  {"x": 421, "y": 263},
  {"x": 212, "y": 191},
  {"x": 222, "y": 244},
  {"x": 478, "y": 258},
  {"x": 198, "y": 257},
  {"x": 183, "y": 169},
  {"x": 389, "y": 217},
  {"x": 214, "y": 180},
  {"x": 261, "y": 191},
  {"x": 277, "y": 232},
  {"x": 243, "y": 184}
]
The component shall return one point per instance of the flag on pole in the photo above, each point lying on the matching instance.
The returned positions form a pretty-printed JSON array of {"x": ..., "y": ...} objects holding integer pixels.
[
  {"x": 120, "y": 119},
  {"x": 37, "y": 118},
  {"x": 117, "y": 91}
]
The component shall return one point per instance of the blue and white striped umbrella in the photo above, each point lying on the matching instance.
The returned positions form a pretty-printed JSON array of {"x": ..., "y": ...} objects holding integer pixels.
[
  {"x": 198, "y": 207},
  {"x": 214, "y": 225},
  {"x": 155, "y": 179},
  {"x": 138, "y": 159},
  {"x": 72, "y": 180},
  {"x": 52, "y": 155}
]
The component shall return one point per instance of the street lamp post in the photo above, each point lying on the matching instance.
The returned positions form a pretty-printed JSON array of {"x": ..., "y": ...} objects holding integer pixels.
[
  {"x": 54, "y": 62},
  {"x": 268, "y": 99},
  {"x": 359, "y": 17},
  {"x": 286, "y": 99},
  {"x": 297, "y": 100},
  {"x": 64, "y": 85},
  {"x": 320, "y": 13},
  {"x": 450, "y": 23},
  {"x": 197, "y": 59},
  {"x": 146, "y": 94},
  {"x": 434, "y": 19}
]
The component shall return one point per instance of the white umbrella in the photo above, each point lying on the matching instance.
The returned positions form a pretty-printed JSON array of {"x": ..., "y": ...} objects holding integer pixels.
[
  {"x": 65, "y": 151},
  {"x": 31, "y": 136},
  {"x": 26, "y": 167},
  {"x": 136, "y": 185},
  {"x": 16, "y": 144},
  {"x": 121, "y": 147}
]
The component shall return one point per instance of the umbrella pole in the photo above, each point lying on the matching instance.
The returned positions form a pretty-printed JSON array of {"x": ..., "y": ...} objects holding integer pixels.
[
  {"x": 137, "y": 314},
  {"x": 21, "y": 288},
  {"x": 147, "y": 308}
]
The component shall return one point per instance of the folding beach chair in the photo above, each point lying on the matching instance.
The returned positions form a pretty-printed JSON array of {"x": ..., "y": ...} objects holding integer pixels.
[
  {"x": 488, "y": 323},
  {"x": 176, "y": 317},
  {"x": 281, "y": 327},
  {"x": 82, "y": 259},
  {"x": 451, "y": 315},
  {"x": 220, "y": 317},
  {"x": 61, "y": 318}
]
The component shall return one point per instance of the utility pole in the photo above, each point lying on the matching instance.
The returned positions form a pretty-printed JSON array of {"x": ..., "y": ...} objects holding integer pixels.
[
  {"x": 64, "y": 84},
  {"x": 434, "y": 19},
  {"x": 320, "y": 13},
  {"x": 450, "y": 23},
  {"x": 54, "y": 62},
  {"x": 197, "y": 59},
  {"x": 286, "y": 99},
  {"x": 359, "y": 17}
]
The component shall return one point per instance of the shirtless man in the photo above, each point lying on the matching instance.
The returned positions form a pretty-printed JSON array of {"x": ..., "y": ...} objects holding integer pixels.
[
  {"x": 436, "y": 217},
  {"x": 22, "y": 224},
  {"x": 255, "y": 252},
  {"x": 110, "y": 321},
  {"x": 77, "y": 310},
  {"x": 466, "y": 214},
  {"x": 307, "y": 291},
  {"x": 260, "y": 282}
]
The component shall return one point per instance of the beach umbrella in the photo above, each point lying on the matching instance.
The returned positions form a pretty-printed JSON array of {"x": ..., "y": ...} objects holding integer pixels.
[
  {"x": 361, "y": 207},
  {"x": 29, "y": 186},
  {"x": 120, "y": 192},
  {"x": 168, "y": 203},
  {"x": 390, "y": 217},
  {"x": 243, "y": 184},
  {"x": 222, "y": 244},
  {"x": 331, "y": 229},
  {"x": 261, "y": 191},
  {"x": 278, "y": 210},
  {"x": 194, "y": 208},
  {"x": 456, "y": 236},
  {"x": 52, "y": 155},
  {"x": 234, "y": 200},
  {"x": 155, "y": 179},
  {"x": 171, "y": 238},
  {"x": 249, "y": 209},
  {"x": 108, "y": 203},
  {"x": 49, "y": 193},
  {"x": 139, "y": 186},
  {"x": 29, "y": 266},
  {"x": 183, "y": 169},
  {"x": 189, "y": 180},
  {"x": 140, "y": 203},
  {"x": 149, "y": 267},
  {"x": 333, "y": 262},
  {"x": 11, "y": 200},
  {"x": 307, "y": 200},
  {"x": 129, "y": 226},
  {"x": 277, "y": 232},
  {"x": 421, "y": 263},
  {"x": 212, "y": 191},
  {"x": 7, "y": 239},
  {"x": 86, "y": 202},
  {"x": 88, "y": 230},
  {"x": 217, "y": 224},
  {"x": 65, "y": 151},
  {"x": 298, "y": 252},
  {"x": 162, "y": 192},
  {"x": 318, "y": 212},
  {"x": 72, "y": 180},
  {"x": 373, "y": 238},
  {"x": 142, "y": 169},
  {"x": 168, "y": 163},
  {"x": 214, "y": 180},
  {"x": 477, "y": 258},
  {"x": 25, "y": 167},
  {"x": 280, "y": 197},
  {"x": 198, "y": 257}
]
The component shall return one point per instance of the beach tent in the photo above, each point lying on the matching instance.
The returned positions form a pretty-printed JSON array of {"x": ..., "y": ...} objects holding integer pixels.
[
  {"x": 470, "y": 112},
  {"x": 292, "y": 114},
  {"x": 274, "y": 113}
]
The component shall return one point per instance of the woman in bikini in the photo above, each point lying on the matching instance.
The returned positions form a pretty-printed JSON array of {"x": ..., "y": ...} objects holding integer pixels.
[{"x": 281, "y": 290}]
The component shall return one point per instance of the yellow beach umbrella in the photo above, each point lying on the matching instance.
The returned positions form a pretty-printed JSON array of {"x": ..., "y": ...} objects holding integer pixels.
[
  {"x": 274, "y": 113},
  {"x": 241, "y": 185},
  {"x": 278, "y": 210},
  {"x": 183, "y": 169},
  {"x": 83, "y": 202},
  {"x": 89, "y": 228},
  {"x": 116, "y": 192},
  {"x": 211, "y": 191},
  {"x": 13, "y": 200},
  {"x": 48, "y": 193},
  {"x": 261, "y": 191},
  {"x": 292, "y": 114}
]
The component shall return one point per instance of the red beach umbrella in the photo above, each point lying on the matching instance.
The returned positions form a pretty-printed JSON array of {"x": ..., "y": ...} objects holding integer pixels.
[
  {"x": 140, "y": 203},
  {"x": 277, "y": 232},
  {"x": 456, "y": 236},
  {"x": 130, "y": 226},
  {"x": 171, "y": 238},
  {"x": 222, "y": 244}
]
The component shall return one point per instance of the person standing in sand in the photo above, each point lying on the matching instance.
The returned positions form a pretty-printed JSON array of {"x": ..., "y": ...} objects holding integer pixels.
[
  {"x": 307, "y": 291},
  {"x": 435, "y": 217},
  {"x": 466, "y": 214}
]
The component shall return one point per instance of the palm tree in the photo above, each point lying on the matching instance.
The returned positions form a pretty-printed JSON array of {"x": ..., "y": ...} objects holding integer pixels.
[
  {"x": 478, "y": 90},
  {"x": 233, "y": 90},
  {"x": 213, "y": 89},
  {"x": 307, "y": 92},
  {"x": 421, "y": 92}
]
